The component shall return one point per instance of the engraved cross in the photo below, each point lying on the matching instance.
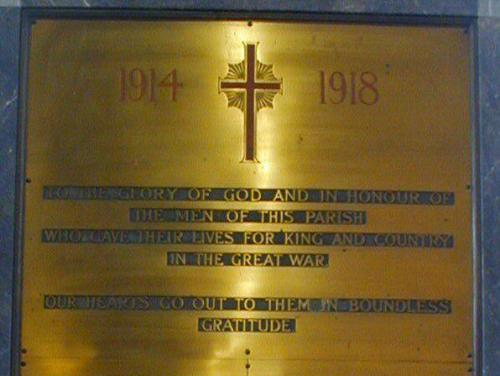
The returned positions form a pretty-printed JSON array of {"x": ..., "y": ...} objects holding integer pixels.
[{"x": 250, "y": 86}]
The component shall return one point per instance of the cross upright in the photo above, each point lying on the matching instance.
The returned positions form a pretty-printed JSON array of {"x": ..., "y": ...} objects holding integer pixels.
[{"x": 250, "y": 86}]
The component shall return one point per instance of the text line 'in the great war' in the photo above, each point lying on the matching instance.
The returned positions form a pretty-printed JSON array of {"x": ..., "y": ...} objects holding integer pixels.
[{"x": 276, "y": 260}]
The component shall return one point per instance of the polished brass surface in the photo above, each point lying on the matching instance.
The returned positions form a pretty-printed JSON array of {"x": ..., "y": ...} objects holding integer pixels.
[{"x": 336, "y": 107}]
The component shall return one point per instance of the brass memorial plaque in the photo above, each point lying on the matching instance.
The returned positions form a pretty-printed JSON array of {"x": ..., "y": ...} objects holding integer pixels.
[{"x": 224, "y": 198}]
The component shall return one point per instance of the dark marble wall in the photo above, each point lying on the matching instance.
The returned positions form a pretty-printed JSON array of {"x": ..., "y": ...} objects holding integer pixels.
[
  {"x": 9, "y": 51},
  {"x": 489, "y": 8},
  {"x": 488, "y": 39},
  {"x": 489, "y": 121},
  {"x": 423, "y": 7}
]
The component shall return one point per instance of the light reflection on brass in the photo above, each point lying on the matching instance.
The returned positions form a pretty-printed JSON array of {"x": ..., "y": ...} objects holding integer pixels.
[{"x": 94, "y": 120}]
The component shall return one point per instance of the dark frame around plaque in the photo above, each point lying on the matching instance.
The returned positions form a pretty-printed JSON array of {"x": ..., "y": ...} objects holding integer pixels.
[{"x": 31, "y": 15}]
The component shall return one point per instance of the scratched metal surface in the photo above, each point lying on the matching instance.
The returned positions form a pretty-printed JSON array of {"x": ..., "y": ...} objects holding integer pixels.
[{"x": 81, "y": 133}]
